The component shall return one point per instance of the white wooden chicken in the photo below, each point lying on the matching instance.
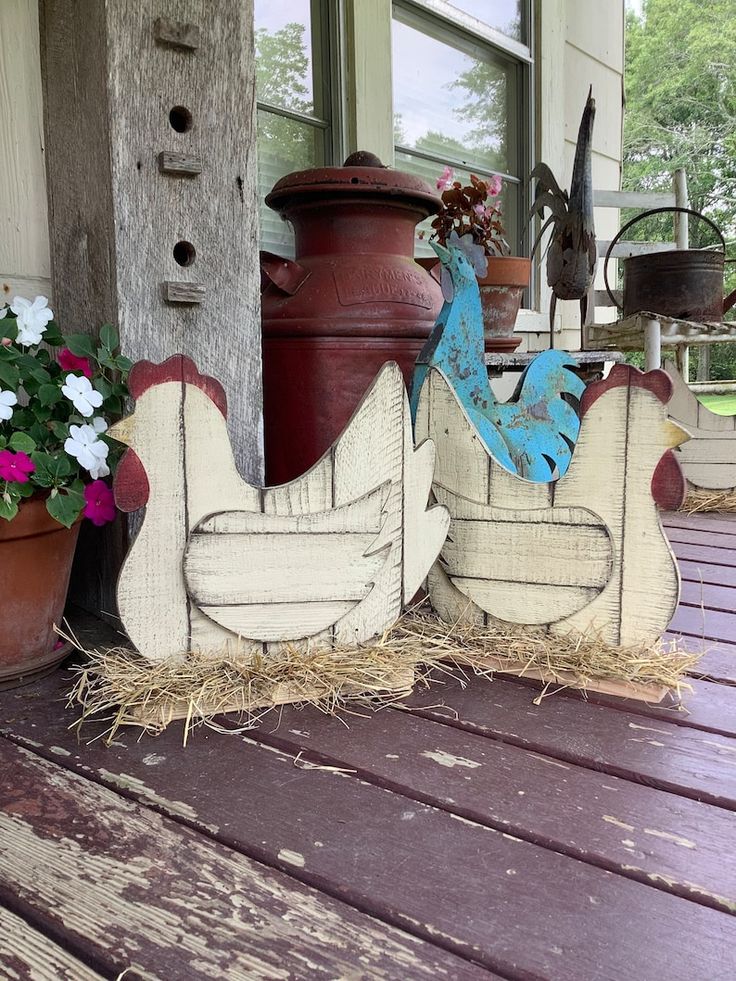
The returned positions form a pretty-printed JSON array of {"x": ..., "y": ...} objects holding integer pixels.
[
  {"x": 220, "y": 564},
  {"x": 708, "y": 459},
  {"x": 585, "y": 553}
]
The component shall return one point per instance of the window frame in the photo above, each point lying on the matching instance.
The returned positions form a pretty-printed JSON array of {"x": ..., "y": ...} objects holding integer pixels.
[
  {"x": 326, "y": 25},
  {"x": 441, "y": 19}
]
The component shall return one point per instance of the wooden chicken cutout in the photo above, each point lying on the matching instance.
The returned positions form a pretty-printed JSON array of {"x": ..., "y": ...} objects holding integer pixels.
[
  {"x": 219, "y": 564},
  {"x": 585, "y": 553},
  {"x": 708, "y": 459}
]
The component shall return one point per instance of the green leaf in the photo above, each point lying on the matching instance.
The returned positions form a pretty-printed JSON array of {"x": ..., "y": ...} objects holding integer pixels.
[
  {"x": 8, "y": 507},
  {"x": 81, "y": 345},
  {"x": 9, "y": 375},
  {"x": 49, "y": 394},
  {"x": 66, "y": 506},
  {"x": 53, "y": 337},
  {"x": 50, "y": 469},
  {"x": 109, "y": 337},
  {"x": 22, "y": 443},
  {"x": 104, "y": 387},
  {"x": 124, "y": 364}
]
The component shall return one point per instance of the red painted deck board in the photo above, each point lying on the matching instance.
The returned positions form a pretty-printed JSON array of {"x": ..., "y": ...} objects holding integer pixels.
[
  {"x": 718, "y": 661},
  {"x": 316, "y": 824},
  {"x": 489, "y": 838},
  {"x": 157, "y": 897},
  {"x": 656, "y": 753}
]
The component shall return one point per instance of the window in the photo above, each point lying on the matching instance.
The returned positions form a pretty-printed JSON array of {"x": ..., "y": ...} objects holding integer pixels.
[
  {"x": 294, "y": 89},
  {"x": 461, "y": 94}
]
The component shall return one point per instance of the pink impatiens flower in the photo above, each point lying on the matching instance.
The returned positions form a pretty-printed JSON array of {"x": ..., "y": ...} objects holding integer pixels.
[
  {"x": 100, "y": 503},
  {"x": 70, "y": 362},
  {"x": 494, "y": 186},
  {"x": 15, "y": 467},
  {"x": 445, "y": 179}
]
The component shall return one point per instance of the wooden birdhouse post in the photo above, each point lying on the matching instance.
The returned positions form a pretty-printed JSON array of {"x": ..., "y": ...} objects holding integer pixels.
[{"x": 149, "y": 114}]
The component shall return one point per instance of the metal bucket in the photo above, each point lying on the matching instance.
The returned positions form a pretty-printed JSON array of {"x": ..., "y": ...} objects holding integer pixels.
[{"x": 686, "y": 284}]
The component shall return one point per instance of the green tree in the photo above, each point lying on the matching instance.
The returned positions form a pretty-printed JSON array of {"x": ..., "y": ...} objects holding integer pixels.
[
  {"x": 681, "y": 105},
  {"x": 680, "y": 81}
]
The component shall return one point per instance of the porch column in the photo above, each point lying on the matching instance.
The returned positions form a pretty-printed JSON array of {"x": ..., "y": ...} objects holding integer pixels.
[{"x": 149, "y": 117}]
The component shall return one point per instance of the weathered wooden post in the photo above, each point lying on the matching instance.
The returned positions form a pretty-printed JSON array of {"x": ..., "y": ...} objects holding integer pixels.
[{"x": 149, "y": 113}]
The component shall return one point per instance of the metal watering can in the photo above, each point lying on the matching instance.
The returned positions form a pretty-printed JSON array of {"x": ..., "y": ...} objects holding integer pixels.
[{"x": 685, "y": 284}]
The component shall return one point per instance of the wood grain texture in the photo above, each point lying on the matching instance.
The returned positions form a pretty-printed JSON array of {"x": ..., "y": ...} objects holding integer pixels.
[
  {"x": 417, "y": 784},
  {"x": 179, "y": 164},
  {"x": 176, "y": 33},
  {"x": 520, "y": 561},
  {"x": 658, "y": 754},
  {"x": 114, "y": 219},
  {"x": 222, "y": 564},
  {"x": 184, "y": 292},
  {"x": 624, "y": 434},
  {"x": 168, "y": 903},
  {"x": 26, "y": 953},
  {"x": 708, "y": 459}
]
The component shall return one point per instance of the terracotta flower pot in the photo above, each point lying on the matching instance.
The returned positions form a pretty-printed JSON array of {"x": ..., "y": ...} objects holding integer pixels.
[
  {"x": 501, "y": 290},
  {"x": 36, "y": 555}
]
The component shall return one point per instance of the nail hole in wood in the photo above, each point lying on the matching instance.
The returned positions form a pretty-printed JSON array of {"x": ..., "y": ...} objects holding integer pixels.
[
  {"x": 181, "y": 119},
  {"x": 184, "y": 253}
]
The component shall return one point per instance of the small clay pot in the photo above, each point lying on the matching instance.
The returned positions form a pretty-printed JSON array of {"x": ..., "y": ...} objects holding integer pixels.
[
  {"x": 36, "y": 554},
  {"x": 501, "y": 290}
]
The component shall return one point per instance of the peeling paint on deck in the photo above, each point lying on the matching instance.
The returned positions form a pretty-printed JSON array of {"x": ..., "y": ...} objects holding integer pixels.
[{"x": 447, "y": 759}]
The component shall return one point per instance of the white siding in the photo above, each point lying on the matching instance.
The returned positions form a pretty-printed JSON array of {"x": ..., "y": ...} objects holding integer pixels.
[{"x": 24, "y": 242}]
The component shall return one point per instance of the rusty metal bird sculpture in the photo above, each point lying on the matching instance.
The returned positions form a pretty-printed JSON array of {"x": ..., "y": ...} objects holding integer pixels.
[{"x": 571, "y": 252}]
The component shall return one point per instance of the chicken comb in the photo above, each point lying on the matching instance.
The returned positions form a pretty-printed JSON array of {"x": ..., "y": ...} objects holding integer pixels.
[
  {"x": 179, "y": 368},
  {"x": 657, "y": 381}
]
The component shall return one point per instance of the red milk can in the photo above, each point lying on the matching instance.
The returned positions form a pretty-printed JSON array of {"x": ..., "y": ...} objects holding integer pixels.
[{"x": 352, "y": 299}]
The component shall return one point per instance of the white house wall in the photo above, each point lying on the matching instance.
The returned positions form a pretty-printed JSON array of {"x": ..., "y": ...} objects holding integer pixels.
[{"x": 24, "y": 240}]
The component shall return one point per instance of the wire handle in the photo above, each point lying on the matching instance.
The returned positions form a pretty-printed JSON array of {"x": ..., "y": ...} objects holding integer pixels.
[{"x": 648, "y": 214}]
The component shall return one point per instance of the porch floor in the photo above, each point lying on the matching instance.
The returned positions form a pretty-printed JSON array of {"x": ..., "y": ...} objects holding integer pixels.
[{"x": 470, "y": 834}]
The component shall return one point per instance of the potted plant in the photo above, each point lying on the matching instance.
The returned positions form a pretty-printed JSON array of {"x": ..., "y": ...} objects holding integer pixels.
[
  {"x": 57, "y": 395},
  {"x": 470, "y": 219}
]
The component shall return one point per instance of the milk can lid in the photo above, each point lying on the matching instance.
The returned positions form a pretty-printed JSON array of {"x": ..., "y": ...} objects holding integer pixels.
[{"x": 362, "y": 174}]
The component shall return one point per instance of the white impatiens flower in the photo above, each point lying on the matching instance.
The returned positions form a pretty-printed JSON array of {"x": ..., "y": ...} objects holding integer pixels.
[
  {"x": 3, "y": 311},
  {"x": 78, "y": 390},
  {"x": 7, "y": 401},
  {"x": 99, "y": 425},
  {"x": 90, "y": 451},
  {"x": 32, "y": 319}
]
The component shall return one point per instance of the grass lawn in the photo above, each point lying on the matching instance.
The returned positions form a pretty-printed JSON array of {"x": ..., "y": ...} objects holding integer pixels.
[{"x": 724, "y": 405}]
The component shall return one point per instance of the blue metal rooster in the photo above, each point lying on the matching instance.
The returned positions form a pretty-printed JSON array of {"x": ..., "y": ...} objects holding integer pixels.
[{"x": 534, "y": 433}]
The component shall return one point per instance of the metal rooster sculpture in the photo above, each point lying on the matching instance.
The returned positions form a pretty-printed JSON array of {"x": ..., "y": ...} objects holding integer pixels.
[
  {"x": 571, "y": 253},
  {"x": 534, "y": 433}
]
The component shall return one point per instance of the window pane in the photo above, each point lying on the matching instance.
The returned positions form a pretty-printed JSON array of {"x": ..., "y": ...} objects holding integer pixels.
[
  {"x": 283, "y": 42},
  {"x": 503, "y": 15},
  {"x": 284, "y": 145},
  {"x": 430, "y": 171},
  {"x": 449, "y": 102}
]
